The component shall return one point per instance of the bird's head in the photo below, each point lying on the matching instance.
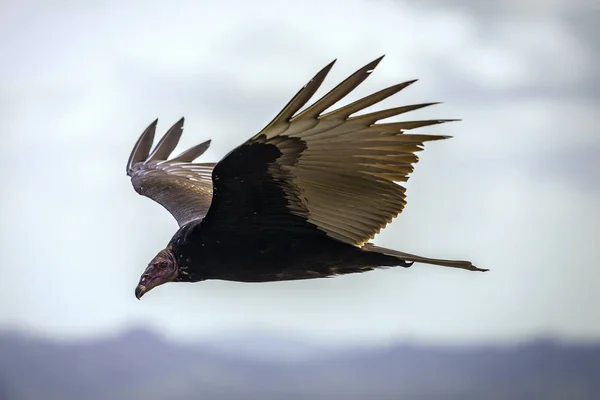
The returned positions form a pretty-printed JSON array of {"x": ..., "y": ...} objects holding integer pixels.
[{"x": 162, "y": 269}]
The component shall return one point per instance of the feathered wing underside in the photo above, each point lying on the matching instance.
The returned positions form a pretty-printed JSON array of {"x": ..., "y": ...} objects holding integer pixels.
[
  {"x": 339, "y": 172},
  {"x": 347, "y": 176},
  {"x": 181, "y": 186}
]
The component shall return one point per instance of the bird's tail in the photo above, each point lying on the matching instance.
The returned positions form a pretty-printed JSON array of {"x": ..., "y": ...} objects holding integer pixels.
[{"x": 414, "y": 258}]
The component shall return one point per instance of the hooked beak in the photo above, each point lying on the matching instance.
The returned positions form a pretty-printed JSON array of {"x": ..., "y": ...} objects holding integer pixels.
[
  {"x": 139, "y": 291},
  {"x": 162, "y": 269},
  {"x": 149, "y": 282}
]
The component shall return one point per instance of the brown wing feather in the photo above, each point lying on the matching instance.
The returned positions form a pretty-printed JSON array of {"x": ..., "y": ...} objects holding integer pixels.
[{"x": 182, "y": 187}]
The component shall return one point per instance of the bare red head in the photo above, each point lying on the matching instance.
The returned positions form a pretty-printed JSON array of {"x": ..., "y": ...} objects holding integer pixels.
[{"x": 162, "y": 269}]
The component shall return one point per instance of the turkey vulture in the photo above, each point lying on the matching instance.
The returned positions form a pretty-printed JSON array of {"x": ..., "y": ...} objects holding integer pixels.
[{"x": 301, "y": 199}]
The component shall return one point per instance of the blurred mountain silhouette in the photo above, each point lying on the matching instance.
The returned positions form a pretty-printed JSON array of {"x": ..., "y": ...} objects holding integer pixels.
[{"x": 141, "y": 365}]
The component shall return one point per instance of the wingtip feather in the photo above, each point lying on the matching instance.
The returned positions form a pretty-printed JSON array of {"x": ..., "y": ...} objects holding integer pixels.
[
  {"x": 168, "y": 142},
  {"x": 373, "y": 64},
  {"x": 192, "y": 153},
  {"x": 142, "y": 146},
  {"x": 339, "y": 92}
]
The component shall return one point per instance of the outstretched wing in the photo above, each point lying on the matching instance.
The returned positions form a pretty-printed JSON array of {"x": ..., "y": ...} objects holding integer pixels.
[
  {"x": 181, "y": 186},
  {"x": 333, "y": 171}
]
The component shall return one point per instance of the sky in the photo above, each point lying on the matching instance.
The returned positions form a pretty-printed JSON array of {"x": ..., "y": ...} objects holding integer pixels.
[{"x": 517, "y": 190}]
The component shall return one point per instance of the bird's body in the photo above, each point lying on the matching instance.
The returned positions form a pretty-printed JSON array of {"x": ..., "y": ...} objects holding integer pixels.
[
  {"x": 268, "y": 256},
  {"x": 301, "y": 199}
]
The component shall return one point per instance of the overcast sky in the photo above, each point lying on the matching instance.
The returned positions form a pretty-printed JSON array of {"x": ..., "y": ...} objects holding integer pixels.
[{"x": 517, "y": 189}]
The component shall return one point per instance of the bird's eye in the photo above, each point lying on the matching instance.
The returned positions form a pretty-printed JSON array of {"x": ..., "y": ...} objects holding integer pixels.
[{"x": 163, "y": 265}]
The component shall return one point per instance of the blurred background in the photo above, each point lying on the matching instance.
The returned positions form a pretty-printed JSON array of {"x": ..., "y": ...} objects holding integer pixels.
[{"x": 517, "y": 190}]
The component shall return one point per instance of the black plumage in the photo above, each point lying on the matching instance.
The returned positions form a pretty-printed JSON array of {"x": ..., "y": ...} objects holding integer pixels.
[{"x": 301, "y": 199}]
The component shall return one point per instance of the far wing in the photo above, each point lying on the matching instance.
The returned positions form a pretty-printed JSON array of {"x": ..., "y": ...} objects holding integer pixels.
[
  {"x": 331, "y": 171},
  {"x": 181, "y": 186}
]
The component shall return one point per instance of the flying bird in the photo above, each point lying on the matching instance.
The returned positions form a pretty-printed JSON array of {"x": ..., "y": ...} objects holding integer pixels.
[{"x": 301, "y": 199}]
